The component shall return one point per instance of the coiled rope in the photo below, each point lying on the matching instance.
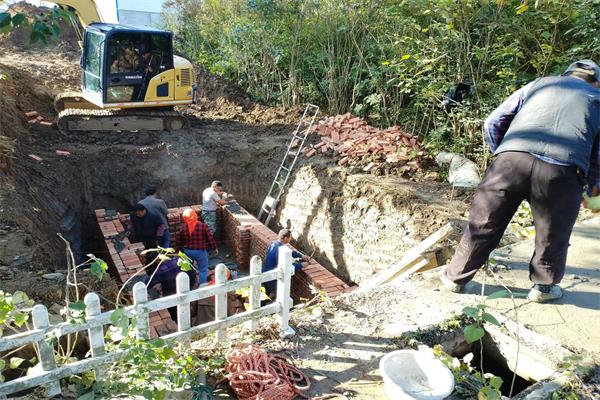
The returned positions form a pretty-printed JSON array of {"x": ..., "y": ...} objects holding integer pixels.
[{"x": 255, "y": 374}]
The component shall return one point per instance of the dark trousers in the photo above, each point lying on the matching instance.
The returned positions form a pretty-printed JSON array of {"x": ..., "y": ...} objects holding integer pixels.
[{"x": 554, "y": 193}]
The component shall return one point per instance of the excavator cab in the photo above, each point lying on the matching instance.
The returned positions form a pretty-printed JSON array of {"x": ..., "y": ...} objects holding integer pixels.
[{"x": 127, "y": 67}]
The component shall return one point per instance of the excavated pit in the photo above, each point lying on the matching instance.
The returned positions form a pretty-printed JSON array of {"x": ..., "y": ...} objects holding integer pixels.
[{"x": 352, "y": 223}]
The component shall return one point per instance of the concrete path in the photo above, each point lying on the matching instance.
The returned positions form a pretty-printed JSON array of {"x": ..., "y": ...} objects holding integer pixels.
[{"x": 574, "y": 320}]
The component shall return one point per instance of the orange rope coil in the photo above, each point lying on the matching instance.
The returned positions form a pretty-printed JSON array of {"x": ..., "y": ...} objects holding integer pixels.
[{"x": 256, "y": 375}]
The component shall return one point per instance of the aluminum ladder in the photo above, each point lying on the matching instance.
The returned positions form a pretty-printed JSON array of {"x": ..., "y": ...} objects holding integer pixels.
[{"x": 269, "y": 205}]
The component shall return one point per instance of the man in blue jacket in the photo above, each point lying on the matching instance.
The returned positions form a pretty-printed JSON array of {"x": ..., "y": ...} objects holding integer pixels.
[
  {"x": 285, "y": 237},
  {"x": 545, "y": 138}
]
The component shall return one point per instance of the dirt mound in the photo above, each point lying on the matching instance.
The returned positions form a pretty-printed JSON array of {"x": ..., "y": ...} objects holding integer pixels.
[
  {"x": 221, "y": 99},
  {"x": 19, "y": 38}
]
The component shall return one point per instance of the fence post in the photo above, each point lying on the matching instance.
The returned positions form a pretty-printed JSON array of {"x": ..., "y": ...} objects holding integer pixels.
[
  {"x": 221, "y": 300},
  {"x": 39, "y": 315},
  {"x": 95, "y": 335},
  {"x": 284, "y": 281},
  {"x": 254, "y": 299},
  {"x": 140, "y": 296},
  {"x": 184, "y": 320}
]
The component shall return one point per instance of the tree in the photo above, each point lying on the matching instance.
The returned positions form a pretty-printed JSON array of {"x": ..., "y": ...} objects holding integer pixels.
[{"x": 43, "y": 26}]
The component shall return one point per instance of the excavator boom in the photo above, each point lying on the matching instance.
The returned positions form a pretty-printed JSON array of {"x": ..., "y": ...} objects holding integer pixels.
[{"x": 86, "y": 10}]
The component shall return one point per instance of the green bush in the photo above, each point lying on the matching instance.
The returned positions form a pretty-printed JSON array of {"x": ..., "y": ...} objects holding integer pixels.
[{"x": 388, "y": 61}]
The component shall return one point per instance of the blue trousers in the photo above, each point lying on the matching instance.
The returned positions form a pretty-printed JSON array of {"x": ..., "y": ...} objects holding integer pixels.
[{"x": 201, "y": 258}]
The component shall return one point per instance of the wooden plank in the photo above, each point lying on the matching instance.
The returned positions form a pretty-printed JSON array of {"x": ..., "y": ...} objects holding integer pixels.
[
  {"x": 184, "y": 317},
  {"x": 254, "y": 300},
  {"x": 221, "y": 300},
  {"x": 140, "y": 297},
  {"x": 39, "y": 315},
  {"x": 284, "y": 278},
  {"x": 95, "y": 335},
  {"x": 411, "y": 257}
]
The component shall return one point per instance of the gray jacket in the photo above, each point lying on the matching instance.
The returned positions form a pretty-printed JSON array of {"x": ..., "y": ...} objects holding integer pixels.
[{"x": 156, "y": 206}]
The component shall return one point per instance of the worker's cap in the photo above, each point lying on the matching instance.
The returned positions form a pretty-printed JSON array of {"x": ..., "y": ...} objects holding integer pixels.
[
  {"x": 139, "y": 207},
  {"x": 587, "y": 67},
  {"x": 284, "y": 233}
]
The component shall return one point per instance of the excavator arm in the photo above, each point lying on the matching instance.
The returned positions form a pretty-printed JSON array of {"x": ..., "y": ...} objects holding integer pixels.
[{"x": 86, "y": 10}]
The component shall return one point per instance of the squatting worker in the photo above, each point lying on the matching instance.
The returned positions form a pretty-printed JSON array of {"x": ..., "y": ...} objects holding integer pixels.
[
  {"x": 148, "y": 228},
  {"x": 212, "y": 197},
  {"x": 196, "y": 240},
  {"x": 157, "y": 206},
  {"x": 166, "y": 276},
  {"x": 545, "y": 139},
  {"x": 285, "y": 237}
]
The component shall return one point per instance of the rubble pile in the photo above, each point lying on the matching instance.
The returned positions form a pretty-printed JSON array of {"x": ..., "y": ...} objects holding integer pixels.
[{"x": 355, "y": 142}]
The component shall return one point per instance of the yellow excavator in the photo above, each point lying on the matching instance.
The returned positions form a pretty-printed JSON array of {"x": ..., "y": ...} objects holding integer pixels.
[{"x": 131, "y": 78}]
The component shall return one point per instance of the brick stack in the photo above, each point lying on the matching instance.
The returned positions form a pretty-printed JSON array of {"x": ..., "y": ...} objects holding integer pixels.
[{"x": 352, "y": 138}]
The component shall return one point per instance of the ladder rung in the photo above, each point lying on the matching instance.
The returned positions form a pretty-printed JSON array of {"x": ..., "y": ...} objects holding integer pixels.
[
  {"x": 292, "y": 153},
  {"x": 284, "y": 168}
]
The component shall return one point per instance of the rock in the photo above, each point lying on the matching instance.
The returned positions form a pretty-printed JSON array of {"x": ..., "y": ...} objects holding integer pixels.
[
  {"x": 54, "y": 276},
  {"x": 56, "y": 308},
  {"x": 6, "y": 273}
]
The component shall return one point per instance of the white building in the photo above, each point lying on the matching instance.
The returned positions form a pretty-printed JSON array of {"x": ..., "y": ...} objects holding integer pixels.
[{"x": 131, "y": 12}]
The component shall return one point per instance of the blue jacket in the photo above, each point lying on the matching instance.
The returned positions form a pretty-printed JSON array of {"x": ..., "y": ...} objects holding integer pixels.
[{"x": 273, "y": 256}]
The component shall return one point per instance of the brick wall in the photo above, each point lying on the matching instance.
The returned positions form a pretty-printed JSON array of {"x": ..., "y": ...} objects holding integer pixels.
[
  {"x": 249, "y": 237},
  {"x": 243, "y": 234}
]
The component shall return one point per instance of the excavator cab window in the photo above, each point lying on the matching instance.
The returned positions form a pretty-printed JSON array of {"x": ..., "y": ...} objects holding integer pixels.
[
  {"x": 92, "y": 62},
  {"x": 132, "y": 60}
]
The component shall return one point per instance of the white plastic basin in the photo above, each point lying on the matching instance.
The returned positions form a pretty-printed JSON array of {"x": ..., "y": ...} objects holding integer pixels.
[{"x": 412, "y": 374}]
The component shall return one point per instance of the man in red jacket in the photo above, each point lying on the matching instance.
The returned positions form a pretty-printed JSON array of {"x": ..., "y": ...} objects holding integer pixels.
[{"x": 196, "y": 240}]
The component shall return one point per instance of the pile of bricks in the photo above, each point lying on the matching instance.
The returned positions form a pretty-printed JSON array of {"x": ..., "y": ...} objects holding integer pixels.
[
  {"x": 33, "y": 117},
  {"x": 351, "y": 138}
]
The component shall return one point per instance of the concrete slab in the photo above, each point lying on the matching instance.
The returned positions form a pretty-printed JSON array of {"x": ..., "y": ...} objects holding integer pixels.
[{"x": 574, "y": 320}]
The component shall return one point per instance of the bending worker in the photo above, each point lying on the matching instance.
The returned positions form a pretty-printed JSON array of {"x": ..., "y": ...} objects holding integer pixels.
[
  {"x": 212, "y": 197},
  {"x": 196, "y": 240},
  {"x": 285, "y": 237},
  {"x": 545, "y": 139}
]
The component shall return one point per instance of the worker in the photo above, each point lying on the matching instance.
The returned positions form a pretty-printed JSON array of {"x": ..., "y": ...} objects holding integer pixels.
[
  {"x": 148, "y": 228},
  {"x": 272, "y": 258},
  {"x": 157, "y": 206},
  {"x": 166, "y": 276},
  {"x": 195, "y": 239},
  {"x": 212, "y": 197},
  {"x": 545, "y": 138}
]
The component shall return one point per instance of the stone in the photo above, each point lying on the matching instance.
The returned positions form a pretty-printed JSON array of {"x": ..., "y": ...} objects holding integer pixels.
[{"x": 54, "y": 276}]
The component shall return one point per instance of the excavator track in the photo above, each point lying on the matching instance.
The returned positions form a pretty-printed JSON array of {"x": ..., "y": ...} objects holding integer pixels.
[{"x": 74, "y": 120}]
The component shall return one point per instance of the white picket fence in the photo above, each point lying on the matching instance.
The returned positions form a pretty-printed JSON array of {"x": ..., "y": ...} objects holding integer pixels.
[{"x": 50, "y": 373}]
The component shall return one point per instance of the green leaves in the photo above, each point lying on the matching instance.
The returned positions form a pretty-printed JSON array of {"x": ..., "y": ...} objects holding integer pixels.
[
  {"x": 473, "y": 333},
  {"x": 120, "y": 320},
  {"x": 14, "y": 308},
  {"x": 19, "y": 20},
  {"x": 76, "y": 312},
  {"x": 98, "y": 267},
  {"x": 498, "y": 294},
  {"x": 522, "y": 8},
  {"x": 184, "y": 262},
  {"x": 15, "y": 362}
]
